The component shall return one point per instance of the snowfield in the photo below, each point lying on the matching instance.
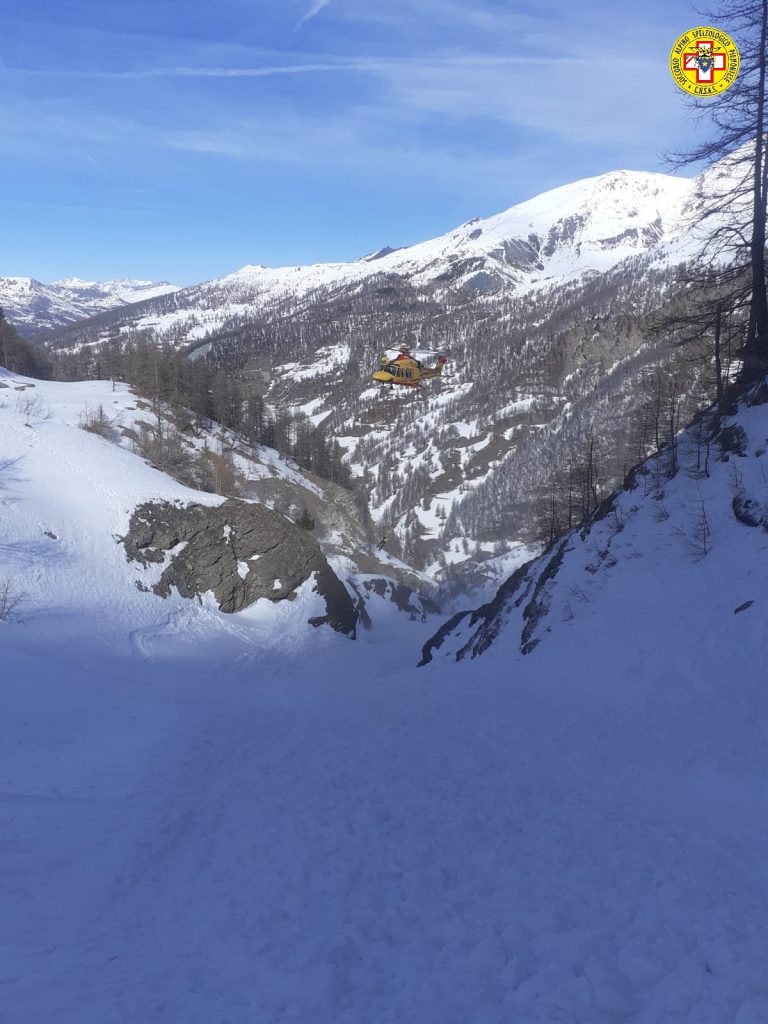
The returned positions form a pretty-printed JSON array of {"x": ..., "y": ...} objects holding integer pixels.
[{"x": 210, "y": 818}]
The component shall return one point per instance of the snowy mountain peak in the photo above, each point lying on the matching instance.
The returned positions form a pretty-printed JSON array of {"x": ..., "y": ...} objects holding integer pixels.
[
  {"x": 19, "y": 285},
  {"x": 113, "y": 285},
  {"x": 585, "y": 226},
  {"x": 249, "y": 268},
  {"x": 386, "y": 250}
]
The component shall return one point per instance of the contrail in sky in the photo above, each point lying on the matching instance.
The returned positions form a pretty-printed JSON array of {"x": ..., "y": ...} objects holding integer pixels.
[
  {"x": 62, "y": 130},
  {"x": 84, "y": 152},
  {"x": 315, "y": 8}
]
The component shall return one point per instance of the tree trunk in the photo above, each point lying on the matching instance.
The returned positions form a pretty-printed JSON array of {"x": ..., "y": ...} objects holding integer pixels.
[{"x": 718, "y": 360}]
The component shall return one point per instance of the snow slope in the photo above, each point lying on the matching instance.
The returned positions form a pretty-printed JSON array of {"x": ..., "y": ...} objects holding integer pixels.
[
  {"x": 32, "y": 306},
  {"x": 67, "y": 497},
  {"x": 587, "y": 225},
  {"x": 252, "y": 822}
]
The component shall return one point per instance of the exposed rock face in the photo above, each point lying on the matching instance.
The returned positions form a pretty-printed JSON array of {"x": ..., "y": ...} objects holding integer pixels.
[
  {"x": 750, "y": 512},
  {"x": 344, "y": 530},
  {"x": 520, "y": 253},
  {"x": 472, "y": 632},
  {"x": 405, "y": 599},
  {"x": 239, "y": 550}
]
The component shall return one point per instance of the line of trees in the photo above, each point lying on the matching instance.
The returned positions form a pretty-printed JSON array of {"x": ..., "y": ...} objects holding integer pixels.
[
  {"x": 19, "y": 355},
  {"x": 186, "y": 387}
]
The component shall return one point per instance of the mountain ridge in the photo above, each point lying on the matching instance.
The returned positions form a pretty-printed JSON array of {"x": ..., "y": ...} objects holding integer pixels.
[
  {"x": 551, "y": 237},
  {"x": 34, "y": 307},
  {"x": 586, "y": 226}
]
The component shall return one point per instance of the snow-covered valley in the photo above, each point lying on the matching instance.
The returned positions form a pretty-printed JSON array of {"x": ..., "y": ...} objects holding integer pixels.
[{"x": 212, "y": 817}]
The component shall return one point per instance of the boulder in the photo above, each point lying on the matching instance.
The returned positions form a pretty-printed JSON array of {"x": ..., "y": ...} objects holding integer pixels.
[{"x": 240, "y": 551}]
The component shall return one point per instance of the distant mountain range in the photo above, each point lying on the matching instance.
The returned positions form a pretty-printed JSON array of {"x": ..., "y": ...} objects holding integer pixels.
[
  {"x": 580, "y": 229},
  {"x": 573, "y": 232},
  {"x": 33, "y": 307}
]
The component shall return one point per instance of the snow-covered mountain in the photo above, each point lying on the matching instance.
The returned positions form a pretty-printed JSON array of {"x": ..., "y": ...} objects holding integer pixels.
[
  {"x": 581, "y": 229},
  {"x": 33, "y": 307},
  {"x": 241, "y": 818},
  {"x": 584, "y": 227}
]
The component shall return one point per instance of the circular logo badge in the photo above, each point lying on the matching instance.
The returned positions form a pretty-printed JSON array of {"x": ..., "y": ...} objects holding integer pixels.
[{"x": 704, "y": 61}]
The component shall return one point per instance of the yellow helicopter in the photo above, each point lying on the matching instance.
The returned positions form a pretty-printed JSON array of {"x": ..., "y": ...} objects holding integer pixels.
[{"x": 406, "y": 370}]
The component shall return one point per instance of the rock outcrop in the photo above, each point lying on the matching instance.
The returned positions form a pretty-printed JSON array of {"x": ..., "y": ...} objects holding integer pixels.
[
  {"x": 239, "y": 550},
  {"x": 413, "y": 603}
]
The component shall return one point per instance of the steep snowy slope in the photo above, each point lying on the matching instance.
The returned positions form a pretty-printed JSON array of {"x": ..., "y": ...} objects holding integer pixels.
[
  {"x": 200, "y": 827},
  {"x": 690, "y": 528},
  {"x": 33, "y": 307},
  {"x": 69, "y": 497}
]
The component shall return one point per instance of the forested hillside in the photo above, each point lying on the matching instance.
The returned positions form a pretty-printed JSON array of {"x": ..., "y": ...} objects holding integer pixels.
[
  {"x": 565, "y": 364},
  {"x": 548, "y": 398}
]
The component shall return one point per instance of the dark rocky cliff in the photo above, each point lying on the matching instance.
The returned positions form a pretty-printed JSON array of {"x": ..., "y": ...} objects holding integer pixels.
[{"x": 239, "y": 550}]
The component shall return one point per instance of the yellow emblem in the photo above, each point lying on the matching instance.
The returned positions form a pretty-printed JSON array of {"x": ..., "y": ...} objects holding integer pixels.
[{"x": 704, "y": 61}]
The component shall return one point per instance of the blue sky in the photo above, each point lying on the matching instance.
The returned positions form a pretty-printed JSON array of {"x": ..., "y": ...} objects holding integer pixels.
[{"x": 178, "y": 141}]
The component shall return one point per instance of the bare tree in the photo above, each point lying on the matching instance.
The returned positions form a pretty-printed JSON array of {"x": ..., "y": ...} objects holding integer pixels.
[
  {"x": 10, "y": 599},
  {"x": 33, "y": 409},
  {"x": 708, "y": 320},
  {"x": 736, "y": 200},
  {"x": 96, "y": 421},
  {"x": 699, "y": 538}
]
